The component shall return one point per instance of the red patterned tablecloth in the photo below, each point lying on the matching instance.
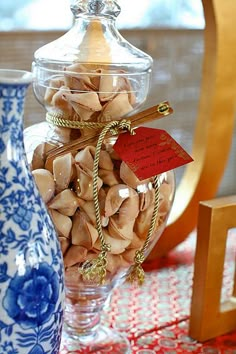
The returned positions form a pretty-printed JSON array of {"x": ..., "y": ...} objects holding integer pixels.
[{"x": 155, "y": 317}]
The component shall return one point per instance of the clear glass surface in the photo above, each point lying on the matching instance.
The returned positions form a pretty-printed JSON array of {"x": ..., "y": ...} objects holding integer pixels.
[
  {"x": 92, "y": 75},
  {"x": 83, "y": 331},
  {"x": 126, "y": 207}
]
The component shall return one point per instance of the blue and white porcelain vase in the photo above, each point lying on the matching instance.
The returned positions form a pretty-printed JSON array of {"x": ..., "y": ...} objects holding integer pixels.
[{"x": 31, "y": 264}]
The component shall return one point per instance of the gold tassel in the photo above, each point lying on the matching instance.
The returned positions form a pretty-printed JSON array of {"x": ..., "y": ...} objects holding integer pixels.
[
  {"x": 95, "y": 270},
  {"x": 137, "y": 273}
]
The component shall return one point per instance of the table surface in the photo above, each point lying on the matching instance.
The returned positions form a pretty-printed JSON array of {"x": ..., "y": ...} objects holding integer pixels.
[{"x": 155, "y": 317}]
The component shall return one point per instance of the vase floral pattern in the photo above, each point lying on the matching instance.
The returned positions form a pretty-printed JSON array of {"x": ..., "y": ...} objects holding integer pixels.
[{"x": 31, "y": 265}]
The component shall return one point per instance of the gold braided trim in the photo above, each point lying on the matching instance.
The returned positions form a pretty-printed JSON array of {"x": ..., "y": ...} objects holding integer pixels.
[
  {"x": 95, "y": 270},
  {"x": 62, "y": 121},
  {"x": 137, "y": 272}
]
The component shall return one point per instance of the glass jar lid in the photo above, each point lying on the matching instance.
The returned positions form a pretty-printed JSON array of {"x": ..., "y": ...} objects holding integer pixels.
[{"x": 92, "y": 57}]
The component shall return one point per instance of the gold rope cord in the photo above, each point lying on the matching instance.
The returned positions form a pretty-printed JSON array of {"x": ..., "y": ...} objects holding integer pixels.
[
  {"x": 137, "y": 272},
  {"x": 95, "y": 270},
  {"x": 158, "y": 111},
  {"x": 62, "y": 121}
]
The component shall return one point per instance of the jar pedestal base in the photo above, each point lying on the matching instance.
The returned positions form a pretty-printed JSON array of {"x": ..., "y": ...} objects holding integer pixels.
[{"x": 104, "y": 340}]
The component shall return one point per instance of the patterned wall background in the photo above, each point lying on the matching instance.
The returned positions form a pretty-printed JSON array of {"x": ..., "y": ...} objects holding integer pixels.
[{"x": 176, "y": 77}]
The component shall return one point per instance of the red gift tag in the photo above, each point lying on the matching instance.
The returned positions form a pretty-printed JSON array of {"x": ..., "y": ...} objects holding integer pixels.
[{"x": 150, "y": 152}]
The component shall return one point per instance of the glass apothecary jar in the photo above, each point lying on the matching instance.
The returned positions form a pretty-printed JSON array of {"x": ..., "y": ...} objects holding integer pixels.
[{"x": 91, "y": 82}]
